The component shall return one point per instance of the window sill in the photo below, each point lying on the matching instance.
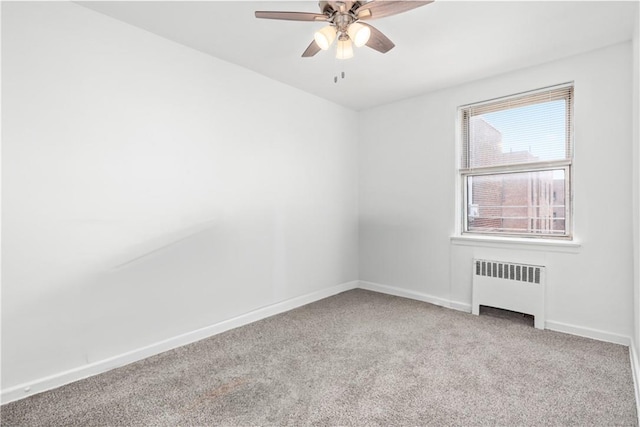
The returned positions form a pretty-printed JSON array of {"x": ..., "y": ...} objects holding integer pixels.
[{"x": 565, "y": 246}]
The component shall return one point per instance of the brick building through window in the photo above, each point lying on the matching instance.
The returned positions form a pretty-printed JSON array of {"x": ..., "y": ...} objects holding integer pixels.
[{"x": 530, "y": 202}]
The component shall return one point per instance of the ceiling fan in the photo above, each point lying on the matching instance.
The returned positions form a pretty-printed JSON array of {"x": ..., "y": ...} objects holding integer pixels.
[{"x": 344, "y": 18}]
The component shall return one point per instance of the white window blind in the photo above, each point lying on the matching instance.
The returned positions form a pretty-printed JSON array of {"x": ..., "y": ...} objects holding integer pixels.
[{"x": 516, "y": 164}]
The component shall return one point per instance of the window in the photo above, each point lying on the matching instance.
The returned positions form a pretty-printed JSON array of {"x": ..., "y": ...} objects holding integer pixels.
[{"x": 515, "y": 167}]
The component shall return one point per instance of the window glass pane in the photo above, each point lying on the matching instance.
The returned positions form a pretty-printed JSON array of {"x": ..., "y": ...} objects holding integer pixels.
[
  {"x": 525, "y": 134},
  {"x": 520, "y": 202}
]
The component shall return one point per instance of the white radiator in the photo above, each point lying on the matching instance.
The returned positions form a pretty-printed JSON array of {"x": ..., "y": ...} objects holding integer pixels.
[{"x": 515, "y": 287}]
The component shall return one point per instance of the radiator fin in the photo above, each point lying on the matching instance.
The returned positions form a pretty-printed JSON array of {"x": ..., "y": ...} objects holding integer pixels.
[{"x": 509, "y": 271}]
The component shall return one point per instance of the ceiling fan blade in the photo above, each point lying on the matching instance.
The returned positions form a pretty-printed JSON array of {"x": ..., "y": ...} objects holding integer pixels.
[
  {"x": 382, "y": 8},
  {"x": 291, "y": 16},
  {"x": 378, "y": 41},
  {"x": 311, "y": 50}
]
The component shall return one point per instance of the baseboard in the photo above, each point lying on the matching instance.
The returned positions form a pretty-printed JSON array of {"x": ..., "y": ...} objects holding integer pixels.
[
  {"x": 419, "y": 296},
  {"x": 635, "y": 372},
  {"x": 57, "y": 380},
  {"x": 461, "y": 306},
  {"x": 582, "y": 331},
  {"x": 54, "y": 381}
]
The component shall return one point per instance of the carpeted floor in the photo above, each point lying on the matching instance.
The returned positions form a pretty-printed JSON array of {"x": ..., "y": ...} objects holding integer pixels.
[{"x": 358, "y": 358}]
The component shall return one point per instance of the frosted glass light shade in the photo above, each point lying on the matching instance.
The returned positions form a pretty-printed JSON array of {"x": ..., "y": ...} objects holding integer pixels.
[
  {"x": 345, "y": 49},
  {"x": 359, "y": 34},
  {"x": 325, "y": 37}
]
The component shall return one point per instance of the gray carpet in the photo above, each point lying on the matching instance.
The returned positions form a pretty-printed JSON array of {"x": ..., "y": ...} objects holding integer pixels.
[{"x": 358, "y": 358}]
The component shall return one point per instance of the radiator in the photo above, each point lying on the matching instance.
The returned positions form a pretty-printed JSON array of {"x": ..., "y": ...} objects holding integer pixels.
[{"x": 515, "y": 287}]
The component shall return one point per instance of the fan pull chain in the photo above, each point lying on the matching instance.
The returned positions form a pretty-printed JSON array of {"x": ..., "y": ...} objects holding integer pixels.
[{"x": 339, "y": 65}]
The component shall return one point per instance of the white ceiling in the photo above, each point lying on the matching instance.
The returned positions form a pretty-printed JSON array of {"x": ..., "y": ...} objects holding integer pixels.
[{"x": 438, "y": 45}]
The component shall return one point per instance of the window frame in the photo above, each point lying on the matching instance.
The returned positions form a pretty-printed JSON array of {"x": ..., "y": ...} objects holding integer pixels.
[{"x": 566, "y": 164}]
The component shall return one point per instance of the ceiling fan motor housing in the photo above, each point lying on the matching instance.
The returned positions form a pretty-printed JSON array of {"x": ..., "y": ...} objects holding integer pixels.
[{"x": 338, "y": 6}]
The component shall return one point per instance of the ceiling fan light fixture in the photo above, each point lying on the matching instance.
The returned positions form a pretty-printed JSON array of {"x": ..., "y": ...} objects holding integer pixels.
[
  {"x": 359, "y": 34},
  {"x": 325, "y": 36},
  {"x": 345, "y": 49},
  {"x": 343, "y": 19}
]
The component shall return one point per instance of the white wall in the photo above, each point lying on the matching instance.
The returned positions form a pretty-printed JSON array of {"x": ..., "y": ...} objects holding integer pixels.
[
  {"x": 635, "y": 117},
  {"x": 408, "y": 195},
  {"x": 149, "y": 190},
  {"x": 117, "y": 144}
]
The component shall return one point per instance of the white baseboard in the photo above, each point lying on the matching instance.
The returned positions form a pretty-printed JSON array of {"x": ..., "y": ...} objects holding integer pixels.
[
  {"x": 54, "y": 381},
  {"x": 635, "y": 372},
  {"x": 582, "y": 331},
  {"x": 595, "y": 334},
  {"x": 399, "y": 292},
  {"x": 43, "y": 384},
  {"x": 460, "y": 306}
]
